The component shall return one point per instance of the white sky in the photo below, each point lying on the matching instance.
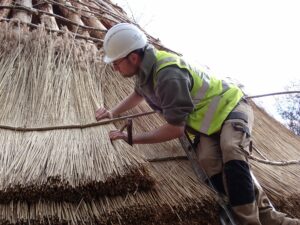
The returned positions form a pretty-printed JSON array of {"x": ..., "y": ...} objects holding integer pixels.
[{"x": 256, "y": 42}]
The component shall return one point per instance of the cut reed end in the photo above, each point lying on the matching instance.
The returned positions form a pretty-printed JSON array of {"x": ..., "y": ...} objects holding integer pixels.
[
  {"x": 57, "y": 189},
  {"x": 189, "y": 213}
]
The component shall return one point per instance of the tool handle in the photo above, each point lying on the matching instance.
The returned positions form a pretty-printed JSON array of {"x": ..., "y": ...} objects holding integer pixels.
[{"x": 129, "y": 131}]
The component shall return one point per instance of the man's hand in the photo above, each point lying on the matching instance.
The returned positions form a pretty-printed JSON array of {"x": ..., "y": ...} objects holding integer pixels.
[
  {"x": 103, "y": 113},
  {"x": 164, "y": 133},
  {"x": 128, "y": 103},
  {"x": 117, "y": 134}
]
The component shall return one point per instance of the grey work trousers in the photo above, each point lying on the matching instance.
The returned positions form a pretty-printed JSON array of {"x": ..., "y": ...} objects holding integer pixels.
[{"x": 221, "y": 157}]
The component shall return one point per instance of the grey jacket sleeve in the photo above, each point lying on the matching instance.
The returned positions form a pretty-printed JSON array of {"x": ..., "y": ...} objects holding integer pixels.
[{"x": 173, "y": 91}]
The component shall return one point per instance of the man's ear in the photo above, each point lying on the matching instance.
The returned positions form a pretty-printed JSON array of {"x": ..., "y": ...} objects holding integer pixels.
[{"x": 134, "y": 58}]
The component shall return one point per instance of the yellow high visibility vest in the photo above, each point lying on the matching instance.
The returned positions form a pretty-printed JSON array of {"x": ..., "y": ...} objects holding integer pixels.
[{"x": 213, "y": 98}]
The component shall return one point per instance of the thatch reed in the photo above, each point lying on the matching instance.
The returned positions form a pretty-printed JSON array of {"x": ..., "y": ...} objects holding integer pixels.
[
  {"x": 282, "y": 183},
  {"x": 45, "y": 81}
]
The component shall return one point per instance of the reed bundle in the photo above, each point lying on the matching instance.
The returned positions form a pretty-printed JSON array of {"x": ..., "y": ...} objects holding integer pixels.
[
  {"x": 49, "y": 80},
  {"x": 178, "y": 199}
]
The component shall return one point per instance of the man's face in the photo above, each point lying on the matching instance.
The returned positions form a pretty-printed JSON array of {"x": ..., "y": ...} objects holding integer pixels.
[{"x": 126, "y": 66}]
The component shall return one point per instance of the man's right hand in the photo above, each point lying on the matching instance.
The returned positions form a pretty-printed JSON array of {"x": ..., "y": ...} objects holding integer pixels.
[{"x": 103, "y": 113}]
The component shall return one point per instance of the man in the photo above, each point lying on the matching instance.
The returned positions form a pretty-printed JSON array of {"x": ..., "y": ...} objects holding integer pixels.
[{"x": 214, "y": 113}]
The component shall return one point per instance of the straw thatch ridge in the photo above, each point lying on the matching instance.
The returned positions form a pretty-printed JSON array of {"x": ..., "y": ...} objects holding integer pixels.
[{"x": 84, "y": 19}]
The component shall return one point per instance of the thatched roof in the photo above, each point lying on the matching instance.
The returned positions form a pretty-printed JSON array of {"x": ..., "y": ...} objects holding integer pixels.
[{"x": 57, "y": 165}]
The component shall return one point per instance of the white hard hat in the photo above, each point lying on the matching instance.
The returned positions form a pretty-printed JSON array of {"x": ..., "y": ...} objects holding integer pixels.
[{"x": 122, "y": 39}]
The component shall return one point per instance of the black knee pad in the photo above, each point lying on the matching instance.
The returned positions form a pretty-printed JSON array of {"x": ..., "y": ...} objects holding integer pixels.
[
  {"x": 239, "y": 182},
  {"x": 217, "y": 182}
]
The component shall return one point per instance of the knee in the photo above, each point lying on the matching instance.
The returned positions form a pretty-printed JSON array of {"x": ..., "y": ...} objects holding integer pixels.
[{"x": 239, "y": 182}]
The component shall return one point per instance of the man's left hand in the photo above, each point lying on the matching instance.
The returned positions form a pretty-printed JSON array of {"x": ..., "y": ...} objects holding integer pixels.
[{"x": 117, "y": 134}]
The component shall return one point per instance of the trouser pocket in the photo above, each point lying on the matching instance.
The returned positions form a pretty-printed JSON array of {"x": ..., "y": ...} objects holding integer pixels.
[{"x": 245, "y": 137}]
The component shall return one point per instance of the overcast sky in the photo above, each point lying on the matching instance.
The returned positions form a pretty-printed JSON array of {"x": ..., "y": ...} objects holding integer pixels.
[{"x": 256, "y": 42}]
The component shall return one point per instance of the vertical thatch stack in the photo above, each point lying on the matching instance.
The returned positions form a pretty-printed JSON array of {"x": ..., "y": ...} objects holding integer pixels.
[
  {"x": 55, "y": 168},
  {"x": 46, "y": 82},
  {"x": 50, "y": 80}
]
